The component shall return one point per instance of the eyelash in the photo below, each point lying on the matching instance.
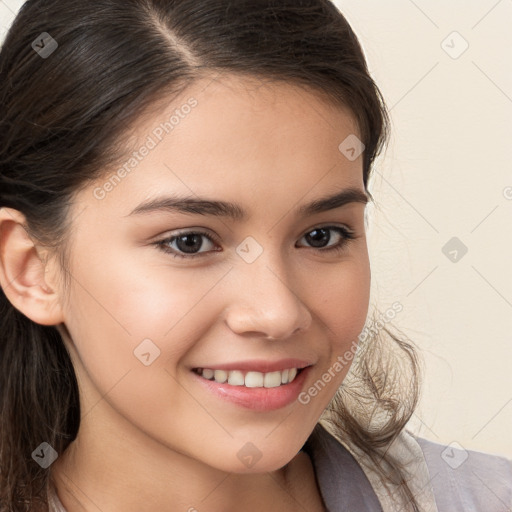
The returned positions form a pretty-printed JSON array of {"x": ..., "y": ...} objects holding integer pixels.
[{"x": 347, "y": 234}]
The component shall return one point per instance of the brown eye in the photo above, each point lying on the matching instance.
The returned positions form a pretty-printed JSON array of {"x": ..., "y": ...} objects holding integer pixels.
[
  {"x": 320, "y": 237},
  {"x": 187, "y": 244}
]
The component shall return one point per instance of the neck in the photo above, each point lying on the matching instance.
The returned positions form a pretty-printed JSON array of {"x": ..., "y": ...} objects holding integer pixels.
[{"x": 102, "y": 470}]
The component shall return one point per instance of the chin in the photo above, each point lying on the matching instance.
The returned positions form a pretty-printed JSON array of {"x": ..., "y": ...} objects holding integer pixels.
[
  {"x": 256, "y": 466},
  {"x": 261, "y": 456}
]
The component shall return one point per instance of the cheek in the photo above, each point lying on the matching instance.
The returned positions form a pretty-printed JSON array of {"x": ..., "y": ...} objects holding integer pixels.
[
  {"x": 122, "y": 309},
  {"x": 342, "y": 301},
  {"x": 139, "y": 298},
  {"x": 132, "y": 332}
]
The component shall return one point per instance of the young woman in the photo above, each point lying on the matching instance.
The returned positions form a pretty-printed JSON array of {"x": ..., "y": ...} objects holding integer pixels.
[{"x": 184, "y": 305}]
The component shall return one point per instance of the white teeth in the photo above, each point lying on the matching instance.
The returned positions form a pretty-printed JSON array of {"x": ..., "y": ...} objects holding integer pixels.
[
  {"x": 251, "y": 379},
  {"x": 220, "y": 376},
  {"x": 236, "y": 378},
  {"x": 208, "y": 374},
  {"x": 272, "y": 379}
]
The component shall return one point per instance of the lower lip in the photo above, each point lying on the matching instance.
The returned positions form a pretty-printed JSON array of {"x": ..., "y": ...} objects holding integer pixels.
[{"x": 257, "y": 399}]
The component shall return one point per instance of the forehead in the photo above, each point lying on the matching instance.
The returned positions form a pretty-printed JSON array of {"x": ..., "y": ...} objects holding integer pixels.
[{"x": 234, "y": 138}]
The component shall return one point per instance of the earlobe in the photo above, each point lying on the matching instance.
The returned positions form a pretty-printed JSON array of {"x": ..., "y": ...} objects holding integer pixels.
[{"x": 23, "y": 273}]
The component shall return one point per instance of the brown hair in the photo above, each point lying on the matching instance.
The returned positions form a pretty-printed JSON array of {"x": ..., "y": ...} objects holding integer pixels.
[{"x": 63, "y": 120}]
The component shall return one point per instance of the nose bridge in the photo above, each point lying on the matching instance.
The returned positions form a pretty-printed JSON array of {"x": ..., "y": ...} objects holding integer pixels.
[
  {"x": 263, "y": 265},
  {"x": 264, "y": 300}
]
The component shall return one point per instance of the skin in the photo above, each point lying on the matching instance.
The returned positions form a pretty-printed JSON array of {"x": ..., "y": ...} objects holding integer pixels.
[{"x": 150, "y": 436}]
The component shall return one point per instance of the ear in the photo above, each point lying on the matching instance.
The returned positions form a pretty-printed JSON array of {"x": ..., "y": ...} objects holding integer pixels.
[{"x": 23, "y": 273}]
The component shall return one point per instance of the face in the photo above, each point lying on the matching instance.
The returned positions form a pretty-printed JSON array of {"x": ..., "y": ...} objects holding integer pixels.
[{"x": 158, "y": 293}]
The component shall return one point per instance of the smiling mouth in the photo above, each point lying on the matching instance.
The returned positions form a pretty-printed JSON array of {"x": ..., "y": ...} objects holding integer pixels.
[{"x": 250, "y": 379}]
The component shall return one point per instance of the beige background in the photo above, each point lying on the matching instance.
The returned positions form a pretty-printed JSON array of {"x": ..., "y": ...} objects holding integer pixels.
[{"x": 447, "y": 173}]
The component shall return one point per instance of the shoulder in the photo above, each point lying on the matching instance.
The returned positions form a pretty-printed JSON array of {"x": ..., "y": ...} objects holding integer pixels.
[
  {"x": 342, "y": 482},
  {"x": 468, "y": 479},
  {"x": 459, "y": 479}
]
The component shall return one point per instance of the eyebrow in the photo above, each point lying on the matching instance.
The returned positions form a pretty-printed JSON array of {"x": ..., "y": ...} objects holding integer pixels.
[{"x": 204, "y": 206}]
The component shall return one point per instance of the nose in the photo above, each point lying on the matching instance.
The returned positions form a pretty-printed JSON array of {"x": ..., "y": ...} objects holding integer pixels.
[{"x": 264, "y": 302}]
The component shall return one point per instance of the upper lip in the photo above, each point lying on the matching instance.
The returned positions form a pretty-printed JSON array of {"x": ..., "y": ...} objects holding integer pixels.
[{"x": 260, "y": 365}]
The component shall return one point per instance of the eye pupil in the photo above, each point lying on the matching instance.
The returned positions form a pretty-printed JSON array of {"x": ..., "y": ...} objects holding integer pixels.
[
  {"x": 317, "y": 236},
  {"x": 192, "y": 241}
]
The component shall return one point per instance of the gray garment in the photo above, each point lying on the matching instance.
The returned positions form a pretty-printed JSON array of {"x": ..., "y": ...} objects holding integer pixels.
[
  {"x": 479, "y": 483},
  {"x": 342, "y": 483},
  {"x": 482, "y": 482}
]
